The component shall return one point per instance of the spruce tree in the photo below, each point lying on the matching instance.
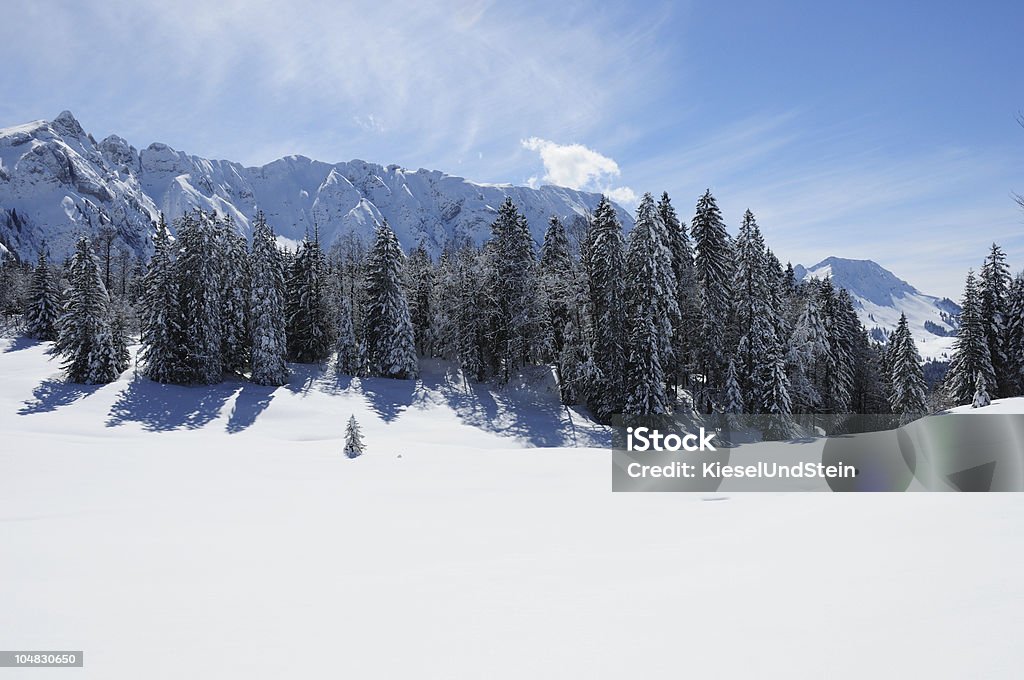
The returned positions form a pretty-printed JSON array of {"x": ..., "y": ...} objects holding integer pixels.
[
  {"x": 906, "y": 378},
  {"x": 42, "y": 313},
  {"x": 713, "y": 256},
  {"x": 513, "y": 328},
  {"x": 235, "y": 297},
  {"x": 348, "y": 360},
  {"x": 808, "y": 350},
  {"x": 1015, "y": 336},
  {"x": 734, "y": 402},
  {"x": 199, "y": 275},
  {"x": 308, "y": 330},
  {"x": 86, "y": 344},
  {"x": 753, "y": 314},
  {"x": 605, "y": 263},
  {"x": 994, "y": 288},
  {"x": 685, "y": 294},
  {"x": 971, "y": 356},
  {"x": 557, "y": 288},
  {"x": 269, "y": 347},
  {"x": 354, "y": 446},
  {"x": 421, "y": 285},
  {"x": 650, "y": 305},
  {"x": 163, "y": 349},
  {"x": 390, "y": 348},
  {"x": 981, "y": 396}
]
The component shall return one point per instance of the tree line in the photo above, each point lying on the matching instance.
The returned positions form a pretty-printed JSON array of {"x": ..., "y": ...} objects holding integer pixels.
[{"x": 671, "y": 316}]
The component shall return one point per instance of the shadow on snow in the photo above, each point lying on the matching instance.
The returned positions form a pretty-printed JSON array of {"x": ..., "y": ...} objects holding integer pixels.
[{"x": 54, "y": 393}]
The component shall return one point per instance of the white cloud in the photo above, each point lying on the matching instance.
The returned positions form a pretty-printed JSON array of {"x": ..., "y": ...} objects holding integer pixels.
[{"x": 578, "y": 167}]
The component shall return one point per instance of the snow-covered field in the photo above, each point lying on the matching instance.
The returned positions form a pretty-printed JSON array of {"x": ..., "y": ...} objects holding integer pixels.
[{"x": 219, "y": 533}]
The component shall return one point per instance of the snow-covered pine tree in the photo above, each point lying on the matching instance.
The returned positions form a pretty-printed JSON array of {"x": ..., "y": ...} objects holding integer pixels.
[
  {"x": 908, "y": 387},
  {"x": 163, "y": 349},
  {"x": 85, "y": 342},
  {"x": 981, "y": 396},
  {"x": 309, "y": 328},
  {"x": 1015, "y": 336},
  {"x": 119, "y": 335},
  {"x": 349, "y": 359},
  {"x": 42, "y": 313},
  {"x": 605, "y": 263},
  {"x": 390, "y": 346},
  {"x": 557, "y": 287},
  {"x": 235, "y": 297},
  {"x": 420, "y": 270},
  {"x": 269, "y": 347},
  {"x": 994, "y": 287},
  {"x": 513, "y": 311},
  {"x": 752, "y": 313},
  {"x": 808, "y": 349},
  {"x": 685, "y": 294},
  {"x": 713, "y": 257},
  {"x": 971, "y": 355},
  {"x": 734, "y": 404},
  {"x": 650, "y": 304},
  {"x": 354, "y": 446},
  {"x": 199, "y": 276}
]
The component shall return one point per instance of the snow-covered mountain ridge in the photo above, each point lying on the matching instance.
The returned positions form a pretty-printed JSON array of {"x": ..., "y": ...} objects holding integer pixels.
[
  {"x": 57, "y": 183},
  {"x": 880, "y": 297}
]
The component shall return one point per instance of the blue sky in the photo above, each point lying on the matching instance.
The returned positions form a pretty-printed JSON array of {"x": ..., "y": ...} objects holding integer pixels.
[{"x": 873, "y": 130}]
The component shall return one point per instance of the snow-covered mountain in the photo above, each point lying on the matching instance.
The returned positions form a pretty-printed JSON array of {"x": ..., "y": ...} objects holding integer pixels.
[
  {"x": 880, "y": 297},
  {"x": 57, "y": 182}
]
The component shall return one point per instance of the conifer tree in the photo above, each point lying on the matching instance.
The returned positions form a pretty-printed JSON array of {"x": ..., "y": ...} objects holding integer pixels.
[
  {"x": 685, "y": 293},
  {"x": 776, "y": 401},
  {"x": 235, "y": 297},
  {"x": 163, "y": 349},
  {"x": 308, "y": 330},
  {"x": 971, "y": 356},
  {"x": 558, "y": 290},
  {"x": 605, "y": 267},
  {"x": 349, "y": 359},
  {"x": 650, "y": 305},
  {"x": 199, "y": 275},
  {"x": 269, "y": 347},
  {"x": 753, "y": 313},
  {"x": 713, "y": 272},
  {"x": 354, "y": 446},
  {"x": 994, "y": 288},
  {"x": 42, "y": 313},
  {"x": 390, "y": 346},
  {"x": 808, "y": 349},
  {"x": 1015, "y": 336},
  {"x": 85, "y": 343},
  {"x": 908, "y": 387},
  {"x": 421, "y": 285},
  {"x": 513, "y": 327},
  {"x": 734, "y": 402},
  {"x": 981, "y": 396}
]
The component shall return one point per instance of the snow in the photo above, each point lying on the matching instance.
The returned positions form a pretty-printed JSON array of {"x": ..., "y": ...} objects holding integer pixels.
[
  {"x": 219, "y": 532},
  {"x": 1013, "y": 405},
  {"x": 114, "y": 180}
]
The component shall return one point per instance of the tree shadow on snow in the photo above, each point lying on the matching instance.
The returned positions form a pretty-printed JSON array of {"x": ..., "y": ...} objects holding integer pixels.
[
  {"x": 161, "y": 408},
  {"x": 533, "y": 416},
  {"x": 390, "y": 398},
  {"x": 19, "y": 343},
  {"x": 54, "y": 393},
  {"x": 250, "y": 401}
]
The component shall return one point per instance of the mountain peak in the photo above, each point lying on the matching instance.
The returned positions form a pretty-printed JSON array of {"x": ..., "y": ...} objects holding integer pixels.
[{"x": 67, "y": 124}]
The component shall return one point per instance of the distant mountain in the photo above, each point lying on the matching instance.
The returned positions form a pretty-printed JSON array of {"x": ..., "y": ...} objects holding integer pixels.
[
  {"x": 880, "y": 297},
  {"x": 57, "y": 182}
]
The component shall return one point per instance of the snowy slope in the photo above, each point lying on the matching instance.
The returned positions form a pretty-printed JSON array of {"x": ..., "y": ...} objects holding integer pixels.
[
  {"x": 57, "y": 182},
  {"x": 880, "y": 297},
  {"x": 172, "y": 532}
]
